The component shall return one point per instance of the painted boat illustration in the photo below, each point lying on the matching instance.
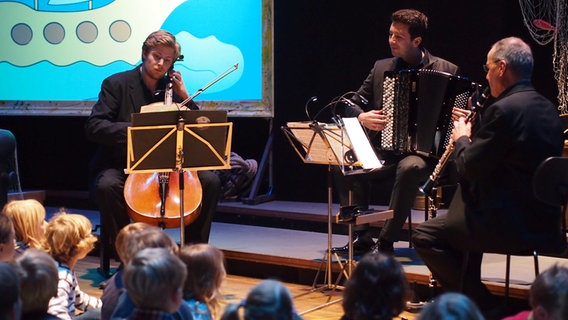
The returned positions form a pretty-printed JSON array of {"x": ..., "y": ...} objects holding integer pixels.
[
  {"x": 64, "y": 32},
  {"x": 76, "y": 44}
]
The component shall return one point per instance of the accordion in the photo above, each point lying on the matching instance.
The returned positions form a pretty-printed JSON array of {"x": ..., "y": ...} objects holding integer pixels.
[{"x": 418, "y": 105}]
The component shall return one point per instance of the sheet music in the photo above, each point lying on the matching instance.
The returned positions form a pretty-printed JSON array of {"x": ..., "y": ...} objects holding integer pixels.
[
  {"x": 361, "y": 145},
  {"x": 159, "y": 107},
  {"x": 316, "y": 148}
]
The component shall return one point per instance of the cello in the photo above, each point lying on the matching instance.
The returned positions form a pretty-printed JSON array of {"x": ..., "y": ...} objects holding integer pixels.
[
  {"x": 154, "y": 198},
  {"x": 158, "y": 198}
]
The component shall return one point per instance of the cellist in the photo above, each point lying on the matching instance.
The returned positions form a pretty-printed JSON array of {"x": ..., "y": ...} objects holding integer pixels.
[{"x": 121, "y": 95}]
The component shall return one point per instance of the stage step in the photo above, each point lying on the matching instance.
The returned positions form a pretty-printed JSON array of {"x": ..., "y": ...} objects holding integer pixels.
[
  {"x": 296, "y": 255},
  {"x": 306, "y": 216},
  {"x": 39, "y": 195}
]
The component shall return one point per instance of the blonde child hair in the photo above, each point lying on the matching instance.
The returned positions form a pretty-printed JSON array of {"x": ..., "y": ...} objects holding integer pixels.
[
  {"x": 28, "y": 217},
  {"x": 123, "y": 236},
  {"x": 68, "y": 235},
  {"x": 68, "y": 239}
]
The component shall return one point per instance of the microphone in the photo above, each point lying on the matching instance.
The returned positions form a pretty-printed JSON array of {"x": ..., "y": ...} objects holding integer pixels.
[
  {"x": 363, "y": 99},
  {"x": 348, "y": 102},
  {"x": 310, "y": 100},
  {"x": 338, "y": 120},
  {"x": 351, "y": 103}
]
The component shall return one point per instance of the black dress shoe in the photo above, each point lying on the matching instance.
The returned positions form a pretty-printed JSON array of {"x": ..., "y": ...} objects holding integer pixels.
[
  {"x": 384, "y": 247},
  {"x": 360, "y": 246}
]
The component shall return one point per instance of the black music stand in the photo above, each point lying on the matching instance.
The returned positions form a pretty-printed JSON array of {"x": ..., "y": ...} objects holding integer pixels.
[
  {"x": 328, "y": 144},
  {"x": 160, "y": 141}
]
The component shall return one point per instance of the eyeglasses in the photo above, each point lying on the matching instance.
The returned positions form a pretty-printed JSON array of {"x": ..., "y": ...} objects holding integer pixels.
[{"x": 486, "y": 67}]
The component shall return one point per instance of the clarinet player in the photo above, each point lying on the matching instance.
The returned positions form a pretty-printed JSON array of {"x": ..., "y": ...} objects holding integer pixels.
[{"x": 494, "y": 208}]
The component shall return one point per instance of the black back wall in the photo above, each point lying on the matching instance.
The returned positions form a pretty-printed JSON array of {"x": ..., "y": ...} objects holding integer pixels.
[{"x": 321, "y": 48}]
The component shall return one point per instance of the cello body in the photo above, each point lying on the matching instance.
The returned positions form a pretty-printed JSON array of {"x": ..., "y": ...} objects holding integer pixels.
[{"x": 142, "y": 193}]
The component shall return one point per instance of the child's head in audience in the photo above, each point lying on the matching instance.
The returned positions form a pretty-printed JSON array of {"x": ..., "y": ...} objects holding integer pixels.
[
  {"x": 146, "y": 237},
  {"x": 121, "y": 242},
  {"x": 268, "y": 300},
  {"x": 7, "y": 239},
  {"x": 10, "y": 303},
  {"x": 549, "y": 294},
  {"x": 154, "y": 278},
  {"x": 451, "y": 305},
  {"x": 28, "y": 217},
  {"x": 68, "y": 237},
  {"x": 38, "y": 279},
  {"x": 377, "y": 288},
  {"x": 206, "y": 272},
  {"x": 131, "y": 239}
]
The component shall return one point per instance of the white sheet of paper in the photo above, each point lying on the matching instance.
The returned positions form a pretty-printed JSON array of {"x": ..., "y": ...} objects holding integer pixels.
[{"x": 361, "y": 145}]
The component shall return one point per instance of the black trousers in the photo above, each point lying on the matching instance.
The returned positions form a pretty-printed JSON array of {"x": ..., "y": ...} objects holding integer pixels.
[
  {"x": 108, "y": 194},
  {"x": 454, "y": 266}
]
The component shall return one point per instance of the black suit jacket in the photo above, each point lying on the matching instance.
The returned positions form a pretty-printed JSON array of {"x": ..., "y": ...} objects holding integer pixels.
[
  {"x": 121, "y": 95},
  {"x": 372, "y": 87},
  {"x": 372, "y": 90},
  {"x": 495, "y": 209}
]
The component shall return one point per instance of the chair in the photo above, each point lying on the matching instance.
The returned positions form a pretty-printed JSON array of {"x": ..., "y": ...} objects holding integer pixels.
[
  {"x": 550, "y": 185},
  {"x": 432, "y": 196},
  {"x": 106, "y": 249},
  {"x": 8, "y": 165},
  {"x": 357, "y": 220},
  {"x": 431, "y": 206}
]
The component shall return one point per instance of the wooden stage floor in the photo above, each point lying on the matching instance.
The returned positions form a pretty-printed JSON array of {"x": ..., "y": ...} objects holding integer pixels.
[
  {"x": 312, "y": 305},
  {"x": 276, "y": 240}
]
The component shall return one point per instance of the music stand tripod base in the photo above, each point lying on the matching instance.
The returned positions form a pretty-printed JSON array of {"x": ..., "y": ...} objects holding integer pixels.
[{"x": 319, "y": 144}]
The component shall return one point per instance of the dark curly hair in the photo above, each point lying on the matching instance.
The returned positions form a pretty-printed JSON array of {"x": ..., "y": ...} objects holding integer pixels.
[{"x": 416, "y": 21}]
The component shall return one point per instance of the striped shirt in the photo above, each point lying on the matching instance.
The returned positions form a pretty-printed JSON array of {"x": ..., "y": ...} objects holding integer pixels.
[{"x": 69, "y": 296}]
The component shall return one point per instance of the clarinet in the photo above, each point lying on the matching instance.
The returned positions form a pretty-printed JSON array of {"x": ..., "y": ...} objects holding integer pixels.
[{"x": 427, "y": 187}]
